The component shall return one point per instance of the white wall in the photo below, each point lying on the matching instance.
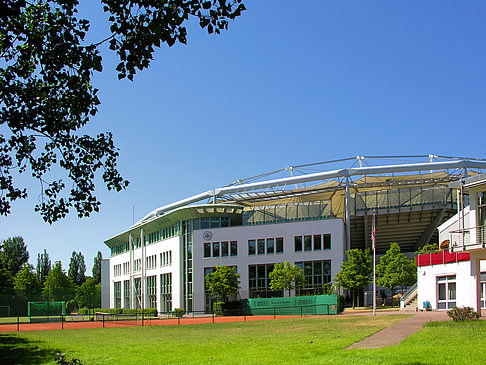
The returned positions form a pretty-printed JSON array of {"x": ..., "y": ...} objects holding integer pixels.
[
  {"x": 242, "y": 234},
  {"x": 465, "y": 283}
]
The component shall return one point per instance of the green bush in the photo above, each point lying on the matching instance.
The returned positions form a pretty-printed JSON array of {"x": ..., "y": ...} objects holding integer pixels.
[
  {"x": 179, "y": 312},
  {"x": 71, "y": 306},
  {"x": 218, "y": 308},
  {"x": 460, "y": 314},
  {"x": 340, "y": 300}
]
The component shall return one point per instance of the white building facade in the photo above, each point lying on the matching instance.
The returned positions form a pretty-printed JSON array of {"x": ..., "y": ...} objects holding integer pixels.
[{"x": 182, "y": 247}]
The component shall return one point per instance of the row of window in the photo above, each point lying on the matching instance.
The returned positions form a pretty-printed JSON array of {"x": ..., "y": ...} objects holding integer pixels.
[
  {"x": 151, "y": 285},
  {"x": 163, "y": 234},
  {"x": 268, "y": 246},
  {"x": 126, "y": 268},
  {"x": 220, "y": 249},
  {"x": 315, "y": 242},
  {"x": 117, "y": 270},
  {"x": 151, "y": 262},
  {"x": 166, "y": 258},
  {"x": 137, "y": 265}
]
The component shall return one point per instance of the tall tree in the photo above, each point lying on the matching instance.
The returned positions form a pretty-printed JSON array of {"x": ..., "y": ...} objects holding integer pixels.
[
  {"x": 58, "y": 285},
  {"x": 13, "y": 254},
  {"x": 77, "y": 268},
  {"x": 394, "y": 269},
  {"x": 43, "y": 266},
  {"x": 223, "y": 282},
  {"x": 355, "y": 272},
  {"x": 97, "y": 267},
  {"x": 89, "y": 294},
  {"x": 286, "y": 276},
  {"x": 26, "y": 282},
  {"x": 47, "y": 95}
]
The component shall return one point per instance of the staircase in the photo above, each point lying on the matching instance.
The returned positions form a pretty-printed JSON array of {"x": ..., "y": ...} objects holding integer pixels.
[{"x": 408, "y": 301}]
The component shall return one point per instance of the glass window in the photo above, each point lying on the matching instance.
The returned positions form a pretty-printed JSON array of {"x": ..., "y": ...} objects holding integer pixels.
[
  {"x": 224, "y": 221},
  {"x": 327, "y": 241},
  {"x": 195, "y": 224},
  {"x": 251, "y": 247},
  {"x": 224, "y": 249},
  {"x": 261, "y": 247},
  {"x": 215, "y": 222},
  {"x": 215, "y": 249},
  {"x": 270, "y": 245},
  {"x": 207, "y": 250},
  {"x": 233, "y": 248},
  {"x": 298, "y": 243},
  {"x": 252, "y": 276},
  {"x": 279, "y": 245},
  {"x": 307, "y": 243},
  {"x": 204, "y": 223},
  {"x": 317, "y": 242}
]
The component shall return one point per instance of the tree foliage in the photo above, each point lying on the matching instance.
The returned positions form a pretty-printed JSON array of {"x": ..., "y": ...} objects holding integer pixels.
[
  {"x": 89, "y": 294},
  {"x": 26, "y": 282},
  {"x": 97, "y": 267},
  {"x": 356, "y": 271},
  {"x": 286, "y": 276},
  {"x": 58, "y": 285},
  {"x": 47, "y": 95},
  {"x": 77, "y": 268},
  {"x": 13, "y": 254},
  {"x": 223, "y": 282},
  {"x": 394, "y": 269},
  {"x": 43, "y": 267}
]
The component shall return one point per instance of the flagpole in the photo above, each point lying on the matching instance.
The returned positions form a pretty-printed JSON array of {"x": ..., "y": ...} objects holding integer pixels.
[{"x": 373, "y": 238}]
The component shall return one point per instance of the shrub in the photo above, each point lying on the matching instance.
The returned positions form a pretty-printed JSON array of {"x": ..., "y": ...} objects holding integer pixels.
[
  {"x": 179, "y": 312},
  {"x": 71, "y": 306},
  {"x": 218, "y": 308},
  {"x": 340, "y": 300},
  {"x": 63, "y": 361},
  {"x": 460, "y": 314}
]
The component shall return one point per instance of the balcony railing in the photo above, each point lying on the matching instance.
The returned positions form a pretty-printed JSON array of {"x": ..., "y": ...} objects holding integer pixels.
[{"x": 474, "y": 237}]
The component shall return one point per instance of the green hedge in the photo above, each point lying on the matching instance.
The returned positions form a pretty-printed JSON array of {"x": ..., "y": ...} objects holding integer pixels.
[{"x": 146, "y": 311}]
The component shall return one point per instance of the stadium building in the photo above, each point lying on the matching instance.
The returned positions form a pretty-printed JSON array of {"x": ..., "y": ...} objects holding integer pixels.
[{"x": 309, "y": 218}]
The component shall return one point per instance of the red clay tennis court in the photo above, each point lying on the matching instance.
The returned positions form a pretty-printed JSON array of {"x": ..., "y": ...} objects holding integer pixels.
[{"x": 13, "y": 327}]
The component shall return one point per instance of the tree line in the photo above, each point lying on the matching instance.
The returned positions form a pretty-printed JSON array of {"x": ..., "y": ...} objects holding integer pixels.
[{"x": 48, "y": 282}]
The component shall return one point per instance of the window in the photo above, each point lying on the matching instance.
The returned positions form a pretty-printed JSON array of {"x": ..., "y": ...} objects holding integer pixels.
[
  {"x": 215, "y": 249},
  {"x": 117, "y": 270},
  {"x": 126, "y": 268},
  {"x": 126, "y": 294},
  {"x": 137, "y": 282},
  {"x": 307, "y": 243},
  {"x": 270, "y": 245},
  {"x": 316, "y": 274},
  {"x": 233, "y": 248},
  {"x": 327, "y": 241},
  {"x": 251, "y": 247},
  {"x": 117, "y": 294},
  {"x": 261, "y": 247},
  {"x": 224, "y": 249},
  {"x": 166, "y": 292},
  {"x": 137, "y": 265},
  {"x": 207, "y": 250},
  {"x": 166, "y": 258},
  {"x": 279, "y": 245},
  {"x": 317, "y": 242},
  {"x": 151, "y": 292},
  {"x": 259, "y": 281},
  {"x": 446, "y": 292},
  {"x": 298, "y": 243},
  {"x": 151, "y": 262}
]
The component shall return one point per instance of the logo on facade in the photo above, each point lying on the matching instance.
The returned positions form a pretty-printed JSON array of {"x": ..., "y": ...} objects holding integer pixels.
[{"x": 207, "y": 235}]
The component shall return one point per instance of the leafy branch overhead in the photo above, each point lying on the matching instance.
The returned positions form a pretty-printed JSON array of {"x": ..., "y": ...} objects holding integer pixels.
[{"x": 47, "y": 94}]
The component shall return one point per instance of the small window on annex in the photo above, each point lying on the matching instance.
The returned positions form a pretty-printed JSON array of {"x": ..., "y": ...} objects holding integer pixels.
[
  {"x": 224, "y": 249},
  {"x": 298, "y": 243},
  {"x": 446, "y": 292},
  {"x": 251, "y": 247},
  {"x": 270, "y": 245},
  {"x": 307, "y": 243},
  {"x": 279, "y": 248},
  {"x": 233, "y": 248},
  {"x": 261, "y": 247}
]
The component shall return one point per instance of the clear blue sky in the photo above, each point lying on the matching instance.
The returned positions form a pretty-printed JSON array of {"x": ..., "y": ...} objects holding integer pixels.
[{"x": 289, "y": 83}]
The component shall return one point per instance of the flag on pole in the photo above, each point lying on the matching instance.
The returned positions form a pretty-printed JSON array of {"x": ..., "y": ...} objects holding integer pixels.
[{"x": 373, "y": 233}]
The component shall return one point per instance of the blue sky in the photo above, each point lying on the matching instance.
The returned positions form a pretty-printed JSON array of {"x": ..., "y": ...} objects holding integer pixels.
[{"x": 289, "y": 83}]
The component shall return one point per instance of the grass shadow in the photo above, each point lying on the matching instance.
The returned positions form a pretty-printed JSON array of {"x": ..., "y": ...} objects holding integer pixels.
[{"x": 17, "y": 350}]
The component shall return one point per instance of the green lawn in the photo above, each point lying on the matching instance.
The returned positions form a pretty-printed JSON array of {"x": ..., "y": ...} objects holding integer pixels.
[{"x": 318, "y": 340}]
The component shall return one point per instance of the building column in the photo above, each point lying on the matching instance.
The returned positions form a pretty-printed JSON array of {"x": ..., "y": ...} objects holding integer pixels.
[{"x": 476, "y": 272}]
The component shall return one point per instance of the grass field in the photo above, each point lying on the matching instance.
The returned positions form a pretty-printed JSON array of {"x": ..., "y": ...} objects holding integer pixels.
[{"x": 319, "y": 340}]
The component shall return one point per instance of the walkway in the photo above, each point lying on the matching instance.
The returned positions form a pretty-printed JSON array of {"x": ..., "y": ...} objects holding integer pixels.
[{"x": 397, "y": 333}]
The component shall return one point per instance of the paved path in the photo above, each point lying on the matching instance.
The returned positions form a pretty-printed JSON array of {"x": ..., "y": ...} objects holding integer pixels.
[{"x": 397, "y": 333}]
